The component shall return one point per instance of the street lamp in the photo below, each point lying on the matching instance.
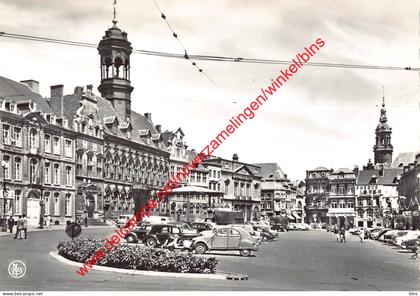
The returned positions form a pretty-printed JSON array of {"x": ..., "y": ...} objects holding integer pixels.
[{"x": 3, "y": 165}]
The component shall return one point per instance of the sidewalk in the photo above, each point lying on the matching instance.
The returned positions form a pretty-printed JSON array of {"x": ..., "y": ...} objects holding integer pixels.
[{"x": 53, "y": 228}]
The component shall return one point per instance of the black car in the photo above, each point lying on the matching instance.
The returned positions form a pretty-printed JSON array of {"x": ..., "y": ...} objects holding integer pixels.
[
  {"x": 265, "y": 234},
  {"x": 138, "y": 233},
  {"x": 159, "y": 234},
  {"x": 201, "y": 226},
  {"x": 278, "y": 227}
]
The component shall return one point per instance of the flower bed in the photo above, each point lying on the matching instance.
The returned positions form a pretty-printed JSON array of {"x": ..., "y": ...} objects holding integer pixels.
[{"x": 137, "y": 257}]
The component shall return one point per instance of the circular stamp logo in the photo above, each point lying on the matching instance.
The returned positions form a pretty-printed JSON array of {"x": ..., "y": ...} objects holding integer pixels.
[{"x": 17, "y": 269}]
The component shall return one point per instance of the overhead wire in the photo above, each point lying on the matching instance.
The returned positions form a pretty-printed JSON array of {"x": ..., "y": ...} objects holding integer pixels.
[
  {"x": 210, "y": 57},
  {"x": 186, "y": 56}
]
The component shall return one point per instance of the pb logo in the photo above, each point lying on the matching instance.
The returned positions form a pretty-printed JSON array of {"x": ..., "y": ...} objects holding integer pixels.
[{"x": 17, "y": 269}]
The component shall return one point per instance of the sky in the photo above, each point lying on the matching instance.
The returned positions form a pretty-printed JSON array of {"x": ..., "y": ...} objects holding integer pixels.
[{"x": 321, "y": 117}]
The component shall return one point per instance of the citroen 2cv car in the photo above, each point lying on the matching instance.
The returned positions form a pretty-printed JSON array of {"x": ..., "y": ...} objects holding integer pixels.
[{"x": 225, "y": 239}]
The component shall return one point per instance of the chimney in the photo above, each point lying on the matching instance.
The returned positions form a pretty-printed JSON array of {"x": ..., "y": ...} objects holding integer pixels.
[
  {"x": 78, "y": 90},
  {"x": 235, "y": 157},
  {"x": 381, "y": 170},
  {"x": 148, "y": 116},
  {"x": 356, "y": 170},
  {"x": 159, "y": 128},
  {"x": 57, "y": 96},
  {"x": 32, "y": 84}
]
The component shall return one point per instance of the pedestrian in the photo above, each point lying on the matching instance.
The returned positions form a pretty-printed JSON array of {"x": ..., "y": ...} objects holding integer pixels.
[
  {"x": 343, "y": 234},
  {"x": 416, "y": 250},
  {"x": 11, "y": 223},
  {"x": 362, "y": 235},
  {"x": 48, "y": 222},
  {"x": 25, "y": 225},
  {"x": 336, "y": 234},
  {"x": 19, "y": 227},
  {"x": 86, "y": 222}
]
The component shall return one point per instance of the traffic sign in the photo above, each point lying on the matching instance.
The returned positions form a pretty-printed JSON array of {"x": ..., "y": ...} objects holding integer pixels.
[{"x": 73, "y": 230}]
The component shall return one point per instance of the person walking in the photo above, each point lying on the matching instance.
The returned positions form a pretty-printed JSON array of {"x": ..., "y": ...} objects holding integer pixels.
[
  {"x": 416, "y": 250},
  {"x": 48, "y": 223},
  {"x": 25, "y": 225},
  {"x": 86, "y": 221},
  {"x": 343, "y": 234},
  {"x": 362, "y": 235},
  {"x": 336, "y": 234},
  {"x": 19, "y": 227},
  {"x": 11, "y": 223}
]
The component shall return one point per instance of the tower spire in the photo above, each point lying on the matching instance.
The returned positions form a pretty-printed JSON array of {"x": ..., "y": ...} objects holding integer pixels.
[
  {"x": 114, "y": 21},
  {"x": 383, "y": 96}
]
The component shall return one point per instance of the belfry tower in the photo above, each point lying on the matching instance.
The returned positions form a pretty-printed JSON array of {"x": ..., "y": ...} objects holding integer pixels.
[
  {"x": 115, "y": 51},
  {"x": 383, "y": 147}
]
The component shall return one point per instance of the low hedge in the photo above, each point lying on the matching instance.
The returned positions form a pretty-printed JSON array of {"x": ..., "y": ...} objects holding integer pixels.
[{"x": 137, "y": 257}]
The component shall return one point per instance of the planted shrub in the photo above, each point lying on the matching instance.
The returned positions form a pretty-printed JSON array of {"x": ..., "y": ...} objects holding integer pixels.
[{"x": 138, "y": 257}]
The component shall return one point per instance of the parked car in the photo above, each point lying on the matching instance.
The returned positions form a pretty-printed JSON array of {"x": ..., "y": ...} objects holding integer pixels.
[
  {"x": 266, "y": 232},
  {"x": 375, "y": 232},
  {"x": 138, "y": 233},
  {"x": 410, "y": 234},
  {"x": 354, "y": 230},
  {"x": 158, "y": 219},
  {"x": 279, "y": 227},
  {"x": 381, "y": 233},
  {"x": 185, "y": 227},
  {"x": 161, "y": 232},
  {"x": 256, "y": 235},
  {"x": 388, "y": 235},
  {"x": 410, "y": 244},
  {"x": 226, "y": 239},
  {"x": 292, "y": 226},
  {"x": 201, "y": 226},
  {"x": 122, "y": 219}
]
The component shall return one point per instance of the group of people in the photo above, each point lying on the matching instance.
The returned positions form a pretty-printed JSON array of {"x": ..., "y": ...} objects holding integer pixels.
[
  {"x": 21, "y": 226},
  {"x": 340, "y": 234}
]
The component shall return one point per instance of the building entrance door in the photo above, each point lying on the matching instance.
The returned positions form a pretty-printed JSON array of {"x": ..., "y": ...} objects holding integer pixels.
[
  {"x": 90, "y": 205},
  {"x": 33, "y": 211}
]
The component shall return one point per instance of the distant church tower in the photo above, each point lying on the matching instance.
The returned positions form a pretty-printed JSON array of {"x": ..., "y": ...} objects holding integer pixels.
[
  {"x": 115, "y": 51},
  {"x": 383, "y": 148}
]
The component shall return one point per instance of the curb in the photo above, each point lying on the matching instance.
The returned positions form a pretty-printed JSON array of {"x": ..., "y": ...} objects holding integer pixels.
[{"x": 217, "y": 276}]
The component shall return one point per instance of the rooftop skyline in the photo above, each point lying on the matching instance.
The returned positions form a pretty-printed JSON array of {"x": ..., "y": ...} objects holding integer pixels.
[{"x": 323, "y": 117}]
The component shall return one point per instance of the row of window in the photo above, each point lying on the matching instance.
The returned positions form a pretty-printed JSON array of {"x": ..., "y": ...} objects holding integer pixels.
[
  {"x": 52, "y": 173},
  {"x": 342, "y": 204},
  {"x": 214, "y": 174},
  {"x": 51, "y": 143},
  {"x": 52, "y": 205}
]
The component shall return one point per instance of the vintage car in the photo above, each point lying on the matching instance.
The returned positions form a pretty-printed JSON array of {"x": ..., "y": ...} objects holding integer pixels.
[
  {"x": 138, "y": 233},
  {"x": 226, "y": 239},
  {"x": 159, "y": 234},
  {"x": 265, "y": 232},
  {"x": 410, "y": 244},
  {"x": 201, "y": 226}
]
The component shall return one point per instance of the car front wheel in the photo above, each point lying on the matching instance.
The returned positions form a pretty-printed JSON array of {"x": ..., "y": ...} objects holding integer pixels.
[
  {"x": 151, "y": 242},
  {"x": 200, "y": 248},
  {"x": 245, "y": 253},
  {"x": 131, "y": 239}
]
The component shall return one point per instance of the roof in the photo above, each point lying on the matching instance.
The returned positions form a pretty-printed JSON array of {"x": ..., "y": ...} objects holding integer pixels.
[
  {"x": 271, "y": 170},
  {"x": 404, "y": 159},
  {"x": 320, "y": 168},
  {"x": 14, "y": 92},
  {"x": 343, "y": 170},
  {"x": 140, "y": 125},
  {"x": 389, "y": 175}
]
